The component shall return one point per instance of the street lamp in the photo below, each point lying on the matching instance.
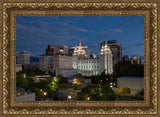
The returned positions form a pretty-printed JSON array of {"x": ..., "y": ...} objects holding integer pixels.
[
  {"x": 45, "y": 93},
  {"x": 69, "y": 97},
  {"x": 24, "y": 75}
]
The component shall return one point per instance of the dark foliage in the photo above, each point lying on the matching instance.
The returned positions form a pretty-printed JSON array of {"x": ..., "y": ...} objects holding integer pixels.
[
  {"x": 125, "y": 68},
  {"x": 95, "y": 92}
]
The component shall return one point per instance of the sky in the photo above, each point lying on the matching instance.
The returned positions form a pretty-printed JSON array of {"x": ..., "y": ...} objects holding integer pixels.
[{"x": 34, "y": 33}]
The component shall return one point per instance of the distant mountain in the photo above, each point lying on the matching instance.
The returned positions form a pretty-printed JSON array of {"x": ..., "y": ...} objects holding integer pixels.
[{"x": 34, "y": 59}]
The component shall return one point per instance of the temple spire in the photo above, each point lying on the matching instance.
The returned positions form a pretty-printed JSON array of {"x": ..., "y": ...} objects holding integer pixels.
[{"x": 80, "y": 43}]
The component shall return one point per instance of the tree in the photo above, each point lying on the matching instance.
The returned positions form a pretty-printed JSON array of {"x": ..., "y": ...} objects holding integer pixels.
[
  {"x": 125, "y": 68},
  {"x": 60, "y": 79},
  {"x": 95, "y": 92},
  {"x": 124, "y": 90},
  {"x": 141, "y": 93},
  {"x": 48, "y": 86},
  {"x": 104, "y": 79},
  {"x": 25, "y": 83}
]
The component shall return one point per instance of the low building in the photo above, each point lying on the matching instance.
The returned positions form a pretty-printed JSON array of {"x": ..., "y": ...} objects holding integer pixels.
[
  {"x": 18, "y": 67},
  {"x": 38, "y": 78},
  {"x": 31, "y": 66},
  {"x": 87, "y": 81},
  {"x": 26, "y": 96},
  {"x": 22, "y": 95},
  {"x": 66, "y": 72},
  {"x": 59, "y": 96},
  {"x": 134, "y": 83}
]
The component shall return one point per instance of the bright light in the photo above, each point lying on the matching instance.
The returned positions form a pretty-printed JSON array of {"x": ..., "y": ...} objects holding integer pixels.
[
  {"x": 69, "y": 97},
  {"x": 45, "y": 93},
  {"x": 87, "y": 98},
  {"x": 24, "y": 75}
]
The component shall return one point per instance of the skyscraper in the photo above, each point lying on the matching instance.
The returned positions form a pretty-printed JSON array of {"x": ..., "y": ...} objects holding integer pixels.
[
  {"x": 116, "y": 50},
  {"x": 46, "y": 63},
  {"x": 52, "y": 50}
]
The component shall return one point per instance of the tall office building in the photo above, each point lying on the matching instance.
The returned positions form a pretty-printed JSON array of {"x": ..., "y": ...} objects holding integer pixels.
[
  {"x": 57, "y": 60},
  {"x": 46, "y": 63},
  {"x": 52, "y": 50},
  {"x": 23, "y": 58},
  {"x": 62, "y": 62},
  {"x": 116, "y": 49}
]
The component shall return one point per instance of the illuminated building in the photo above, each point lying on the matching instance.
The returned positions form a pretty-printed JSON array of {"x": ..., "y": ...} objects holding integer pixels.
[
  {"x": 81, "y": 51},
  {"x": 93, "y": 66},
  {"x": 136, "y": 60},
  {"x": 126, "y": 58},
  {"x": 106, "y": 60}
]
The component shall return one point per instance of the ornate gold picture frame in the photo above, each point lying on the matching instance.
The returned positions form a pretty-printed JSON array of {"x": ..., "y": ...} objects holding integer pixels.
[{"x": 10, "y": 9}]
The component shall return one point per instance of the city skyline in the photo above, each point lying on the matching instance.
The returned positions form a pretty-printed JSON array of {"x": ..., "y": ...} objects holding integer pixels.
[{"x": 35, "y": 33}]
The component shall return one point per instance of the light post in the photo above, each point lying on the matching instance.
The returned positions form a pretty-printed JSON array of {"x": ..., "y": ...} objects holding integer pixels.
[{"x": 45, "y": 93}]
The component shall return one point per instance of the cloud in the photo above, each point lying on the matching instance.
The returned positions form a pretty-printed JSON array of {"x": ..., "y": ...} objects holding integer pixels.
[
  {"x": 139, "y": 44},
  {"x": 108, "y": 33},
  {"x": 99, "y": 17},
  {"x": 80, "y": 29},
  {"x": 115, "y": 30},
  {"x": 125, "y": 22}
]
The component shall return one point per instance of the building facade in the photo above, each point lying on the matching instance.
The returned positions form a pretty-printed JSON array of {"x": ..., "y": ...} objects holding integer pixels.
[
  {"x": 23, "y": 58},
  {"x": 93, "y": 66},
  {"x": 62, "y": 62},
  {"x": 116, "y": 50},
  {"x": 26, "y": 96},
  {"x": 81, "y": 51},
  {"x": 22, "y": 95},
  {"x": 66, "y": 72},
  {"x": 18, "y": 67},
  {"x": 46, "y": 63},
  {"x": 134, "y": 83}
]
